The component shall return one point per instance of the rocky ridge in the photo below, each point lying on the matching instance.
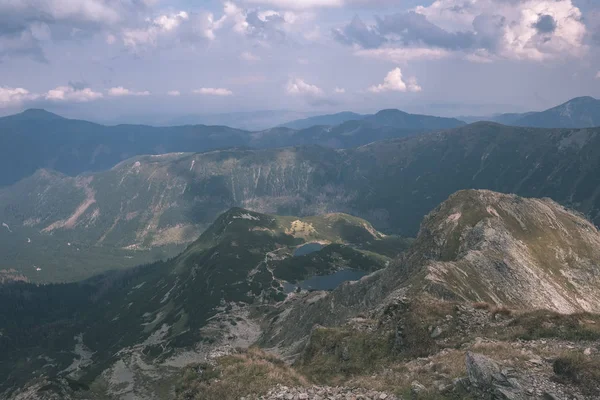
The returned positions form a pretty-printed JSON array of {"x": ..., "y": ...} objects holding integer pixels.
[{"x": 323, "y": 393}]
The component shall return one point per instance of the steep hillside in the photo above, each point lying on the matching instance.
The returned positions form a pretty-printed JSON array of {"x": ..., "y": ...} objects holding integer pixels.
[
  {"x": 408, "y": 178},
  {"x": 126, "y": 333},
  {"x": 580, "y": 112}
]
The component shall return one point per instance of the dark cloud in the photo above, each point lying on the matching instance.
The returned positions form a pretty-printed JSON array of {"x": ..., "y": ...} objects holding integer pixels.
[
  {"x": 545, "y": 24},
  {"x": 357, "y": 32},
  {"x": 21, "y": 44},
  {"x": 78, "y": 85},
  {"x": 21, "y": 21},
  {"x": 489, "y": 30},
  {"x": 407, "y": 29},
  {"x": 415, "y": 29},
  {"x": 593, "y": 23},
  {"x": 267, "y": 28}
]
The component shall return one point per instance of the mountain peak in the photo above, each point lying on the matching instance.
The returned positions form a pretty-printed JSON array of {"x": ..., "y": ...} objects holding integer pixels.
[
  {"x": 39, "y": 114},
  {"x": 391, "y": 111},
  {"x": 583, "y": 99},
  {"x": 478, "y": 236},
  {"x": 579, "y": 102}
]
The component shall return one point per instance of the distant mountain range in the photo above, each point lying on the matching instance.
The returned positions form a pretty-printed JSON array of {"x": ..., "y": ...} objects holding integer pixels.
[
  {"x": 38, "y": 139},
  {"x": 580, "y": 112},
  {"x": 384, "y": 118},
  {"x": 330, "y": 119},
  {"x": 247, "y": 120}
]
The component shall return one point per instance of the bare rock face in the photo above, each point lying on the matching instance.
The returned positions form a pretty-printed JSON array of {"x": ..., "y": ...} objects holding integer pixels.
[
  {"x": 325, "y": 393},
  {"x": 489, "y": 381}
]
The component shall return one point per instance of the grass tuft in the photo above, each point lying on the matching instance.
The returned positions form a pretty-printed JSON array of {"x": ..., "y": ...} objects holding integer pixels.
[
  {"x": 582, "y": 370},
  {"x": 250, "y": 372}
]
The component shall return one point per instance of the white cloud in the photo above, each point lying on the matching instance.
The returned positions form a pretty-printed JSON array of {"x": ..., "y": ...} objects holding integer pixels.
[
  {"x": 248, "y": 56},
  {"x": 214, "y": 91},
  {"x": 413, "y": 86},
  {"x": 120, "y": 91},
  {"x": 398, "y": 55},
  {"x": 10, "y": 97},
  {"x": 598, "y": 75},
  {"x": 308, "y": 4},
  {"x": 170, "y": 22},
  {"x": 174, "y": 93},
  {"x": 514, "y": 33},
  {"x": 299, "y": 4},
  {"x": 237, "y": 17},
  {"x": 157, "y": 27},
  {"x": 300, "y": 87},
  {"x": 68, "y": 93},
  {"x": 394, "y": 82},
  {"x": 339, "y": 90}
]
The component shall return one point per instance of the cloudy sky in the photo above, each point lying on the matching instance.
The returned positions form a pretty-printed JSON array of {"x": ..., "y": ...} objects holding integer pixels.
[{"x": 108, "y": 58}]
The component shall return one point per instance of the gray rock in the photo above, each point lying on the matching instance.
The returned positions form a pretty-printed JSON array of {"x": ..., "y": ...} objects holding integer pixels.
[
  {"x": 437, "y": 331},
  {"x": 481, "y": 370},
  {"x": 416, "y": 389},
  {"x": 489, "y": 381}
]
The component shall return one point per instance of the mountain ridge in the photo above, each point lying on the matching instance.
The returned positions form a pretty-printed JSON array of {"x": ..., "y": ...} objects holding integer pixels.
[
  {"x": 579, "y": 112},
  {"x": 36, "y": 139}
]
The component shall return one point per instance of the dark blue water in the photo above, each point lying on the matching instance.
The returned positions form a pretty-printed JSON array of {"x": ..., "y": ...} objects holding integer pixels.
[
  {"x": 327, "y": 282},
  {"x": 307, "y": 249}
]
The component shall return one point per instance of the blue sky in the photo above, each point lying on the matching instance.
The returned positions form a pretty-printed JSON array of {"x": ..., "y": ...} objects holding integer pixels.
[{"x": 109, "y": 58}]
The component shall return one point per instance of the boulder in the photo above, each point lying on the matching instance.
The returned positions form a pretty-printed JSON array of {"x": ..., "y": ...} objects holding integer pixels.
[{"x": 489, "y": 381}]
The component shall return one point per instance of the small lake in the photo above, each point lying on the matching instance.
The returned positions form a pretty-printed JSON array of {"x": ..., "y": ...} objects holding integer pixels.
[
  {"x": 327, "y": 282},
  {"x": 307, "y": 249}
]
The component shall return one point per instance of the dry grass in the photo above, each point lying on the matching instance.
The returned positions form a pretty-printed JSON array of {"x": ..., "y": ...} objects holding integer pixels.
[
  {"x": 502, "y": 311},
  {"x": 481, "y": 306},
  {"x": 580, "y": 369},
  {"x": 397, "y": 377},
  {"x": 250, "y": 372},
  {"x": 547, "y": 324}
]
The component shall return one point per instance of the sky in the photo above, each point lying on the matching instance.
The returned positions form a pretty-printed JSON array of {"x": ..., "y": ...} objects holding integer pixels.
[{"x": 108, "y": 59}]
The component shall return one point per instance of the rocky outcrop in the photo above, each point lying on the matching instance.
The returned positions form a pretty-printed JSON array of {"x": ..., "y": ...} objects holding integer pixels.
[
  {"x": 324, "y": 393},
  {"x": 483, "y": 246},
  {"x": 487, "y": 379},
  {"x": 490, "y": 381}
]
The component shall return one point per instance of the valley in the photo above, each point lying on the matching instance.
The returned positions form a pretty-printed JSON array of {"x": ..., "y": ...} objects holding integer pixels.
[{"x": 156, "y": 205}]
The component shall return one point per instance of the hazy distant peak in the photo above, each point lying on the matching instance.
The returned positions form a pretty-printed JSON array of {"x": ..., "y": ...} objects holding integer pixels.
[{"x": 39, "y": 113}]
